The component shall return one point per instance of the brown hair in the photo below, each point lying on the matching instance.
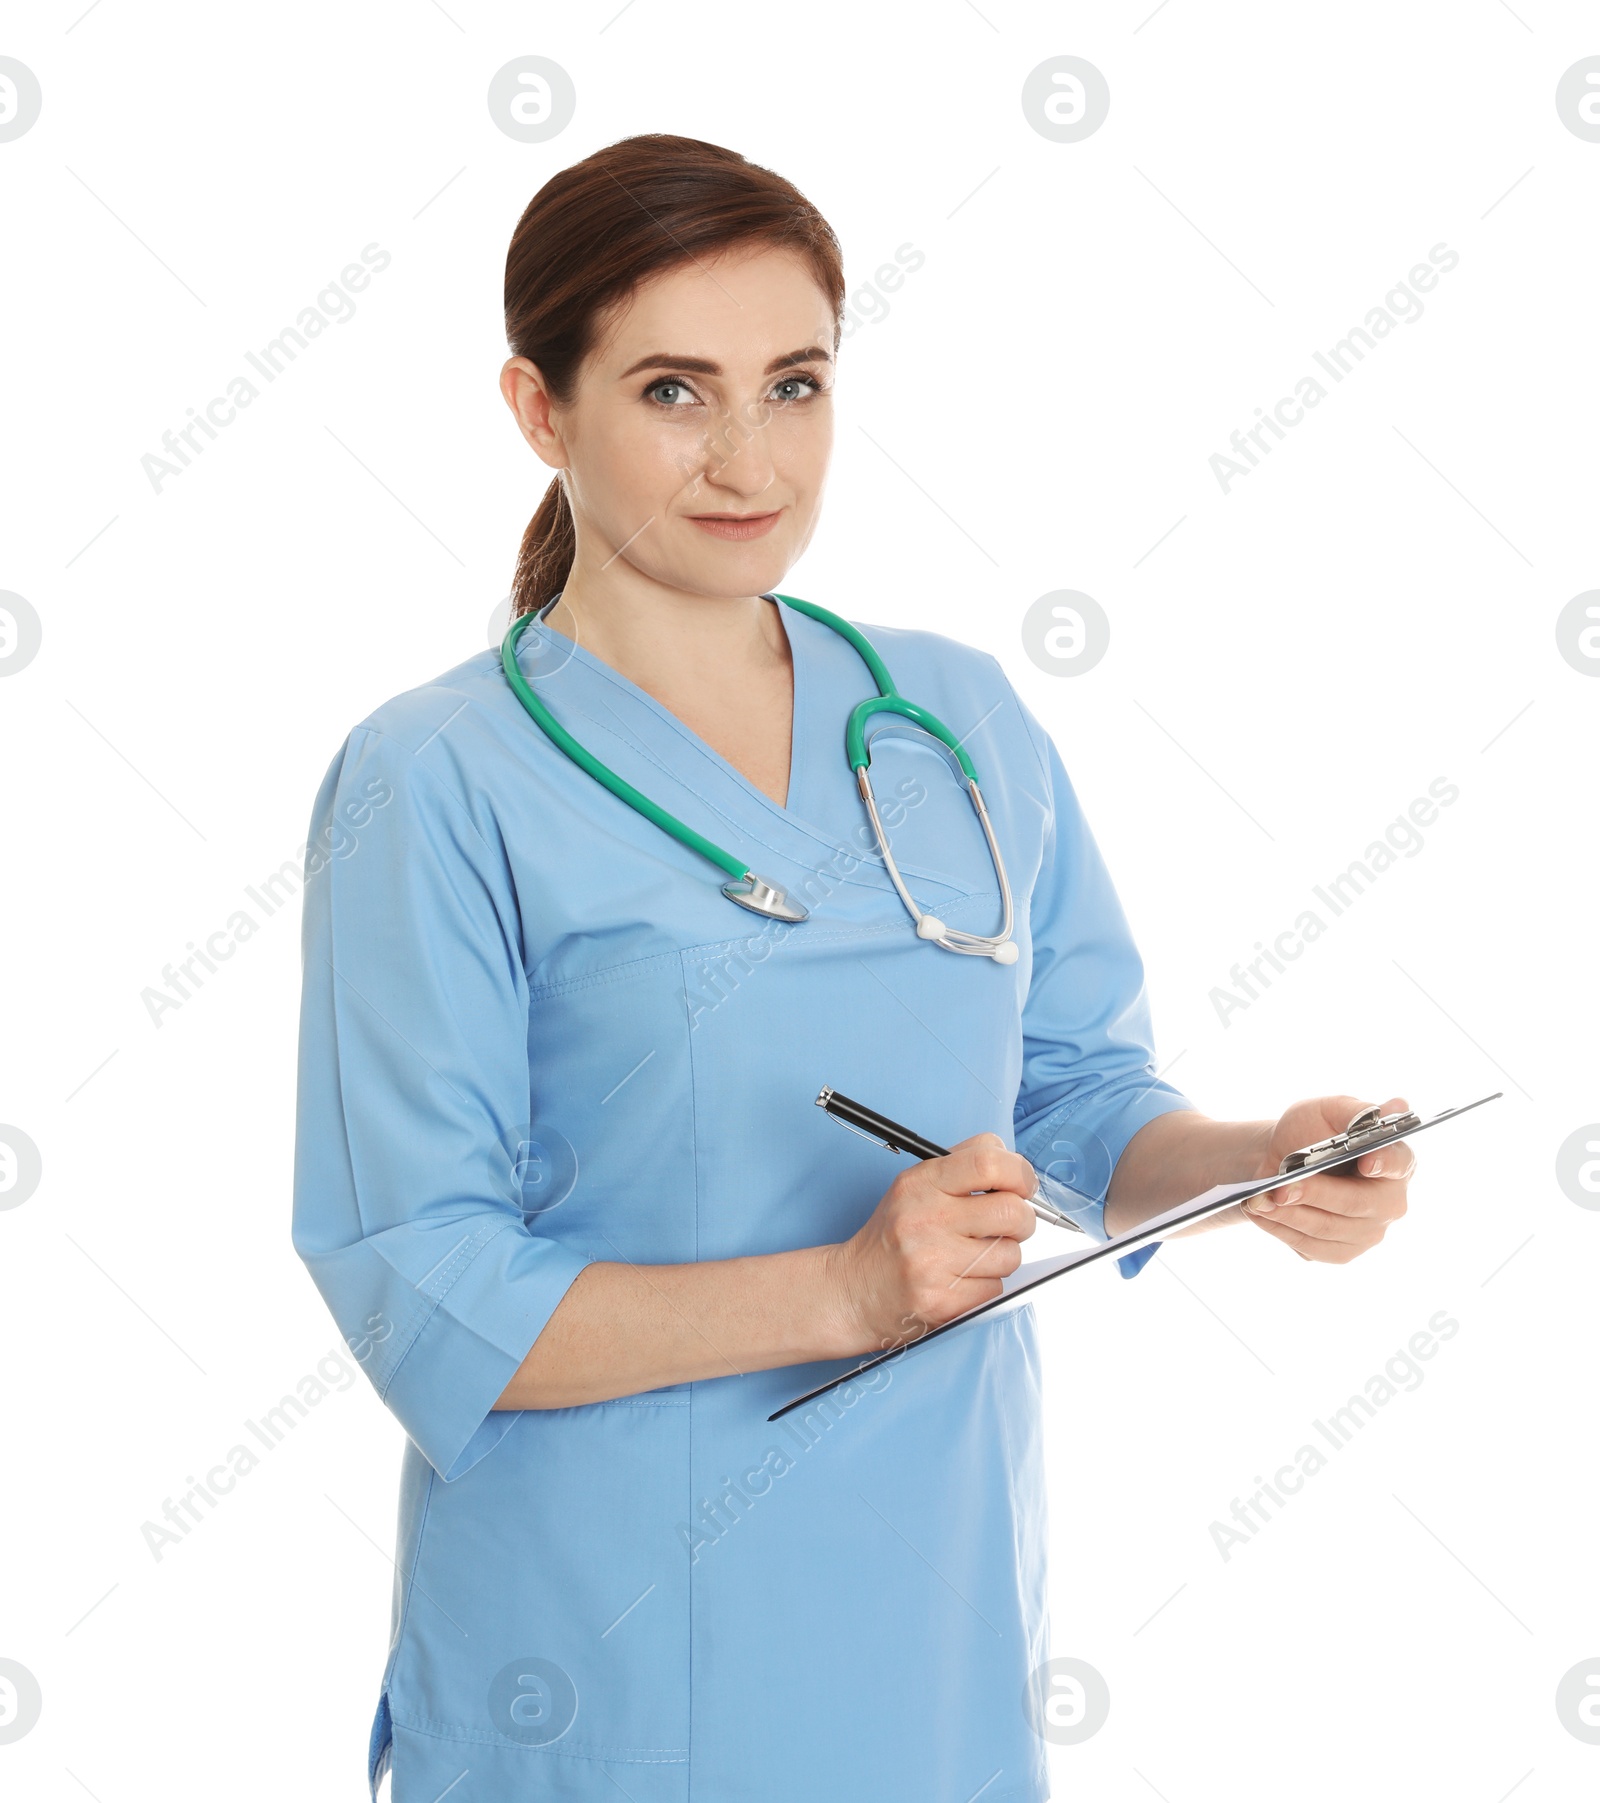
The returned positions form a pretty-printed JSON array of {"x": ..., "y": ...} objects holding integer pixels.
[{"x": 595, "y": 231}]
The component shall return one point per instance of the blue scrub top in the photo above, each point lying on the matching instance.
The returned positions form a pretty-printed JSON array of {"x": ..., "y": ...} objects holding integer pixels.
[{"x": 534, "y": 1034}]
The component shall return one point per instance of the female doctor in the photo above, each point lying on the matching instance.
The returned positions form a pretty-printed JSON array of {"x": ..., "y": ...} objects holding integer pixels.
[{"x": 558, "y": 1172}]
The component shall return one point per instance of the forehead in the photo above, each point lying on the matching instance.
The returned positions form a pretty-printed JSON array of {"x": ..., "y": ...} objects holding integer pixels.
[{"x": 739, "y": 307}]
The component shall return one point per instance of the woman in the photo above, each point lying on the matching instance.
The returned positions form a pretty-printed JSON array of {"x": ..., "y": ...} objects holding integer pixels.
[{"x": 559, "y": 1176}]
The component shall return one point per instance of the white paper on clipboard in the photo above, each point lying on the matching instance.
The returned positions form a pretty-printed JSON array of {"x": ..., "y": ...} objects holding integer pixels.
[{"x": 1019, "y": 1286}]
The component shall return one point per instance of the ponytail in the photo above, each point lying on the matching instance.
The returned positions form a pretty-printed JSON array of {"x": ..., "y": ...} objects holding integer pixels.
[{"x": 545, "y": 560}]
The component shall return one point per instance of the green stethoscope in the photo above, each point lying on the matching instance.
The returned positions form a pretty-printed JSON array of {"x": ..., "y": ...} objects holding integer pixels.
[{"x": 748, "y": 889}]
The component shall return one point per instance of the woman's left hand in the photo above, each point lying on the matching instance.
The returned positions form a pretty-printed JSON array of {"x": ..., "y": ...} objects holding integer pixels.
[{"x": 1333, "y": 1217}]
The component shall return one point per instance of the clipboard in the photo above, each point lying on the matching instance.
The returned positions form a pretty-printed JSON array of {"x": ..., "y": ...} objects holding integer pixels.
[{"x": 1021, "y": 1284}]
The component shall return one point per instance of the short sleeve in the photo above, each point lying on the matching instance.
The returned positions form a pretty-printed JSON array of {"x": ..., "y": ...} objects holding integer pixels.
[
  {"x": 413, "y": 1101},
  {"x": 1088, "y": 1052}
]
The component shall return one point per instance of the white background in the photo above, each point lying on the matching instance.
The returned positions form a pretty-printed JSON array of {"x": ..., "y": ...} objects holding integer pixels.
[{"x": 1373, "y": 608}]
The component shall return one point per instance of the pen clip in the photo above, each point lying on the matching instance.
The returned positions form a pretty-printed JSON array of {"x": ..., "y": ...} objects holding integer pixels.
[
  {"x": 841, "y": 1109},
  {"x": 861, "y": 1133}
]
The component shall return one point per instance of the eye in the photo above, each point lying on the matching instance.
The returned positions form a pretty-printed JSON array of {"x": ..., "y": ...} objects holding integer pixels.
[
  {"x": 677, "y": 393},
  {"x": 808, "y": 385}
]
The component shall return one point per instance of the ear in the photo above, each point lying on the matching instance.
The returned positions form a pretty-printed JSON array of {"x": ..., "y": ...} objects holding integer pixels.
[{"x": 532, "y": 406}]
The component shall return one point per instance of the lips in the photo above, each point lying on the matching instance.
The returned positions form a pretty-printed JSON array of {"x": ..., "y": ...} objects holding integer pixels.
[{"x": 736, "y": 526}]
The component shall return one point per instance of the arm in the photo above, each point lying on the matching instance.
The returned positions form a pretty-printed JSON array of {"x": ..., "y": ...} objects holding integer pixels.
[
  {"x": 413, "y": 1090},
  {"x": 622, "y": 1329},
  {"x": 1089, "y": 1096},
  {"x": 1329, "y": 1219},
  {"x": 1089, "y": 1089},
  {"x": 931, "y": 1249}
]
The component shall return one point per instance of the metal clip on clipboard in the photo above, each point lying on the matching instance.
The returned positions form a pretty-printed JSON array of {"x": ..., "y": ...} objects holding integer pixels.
[{"x": 1367, "y": 1129}]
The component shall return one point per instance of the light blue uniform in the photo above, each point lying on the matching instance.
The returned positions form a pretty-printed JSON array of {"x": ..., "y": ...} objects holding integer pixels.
[{"x": 510, "y": 977}]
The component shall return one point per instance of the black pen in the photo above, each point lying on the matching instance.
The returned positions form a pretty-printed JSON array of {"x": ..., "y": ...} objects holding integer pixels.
[{"x": 872, "y": 1125}]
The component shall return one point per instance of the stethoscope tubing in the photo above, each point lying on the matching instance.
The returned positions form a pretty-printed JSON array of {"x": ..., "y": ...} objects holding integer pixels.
[{"x": 745, "y": 887}]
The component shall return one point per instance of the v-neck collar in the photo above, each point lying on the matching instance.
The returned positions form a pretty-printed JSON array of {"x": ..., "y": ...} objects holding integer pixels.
[
  {"x": 800, "y": 692},
  {"x": 793, "y": 832}
]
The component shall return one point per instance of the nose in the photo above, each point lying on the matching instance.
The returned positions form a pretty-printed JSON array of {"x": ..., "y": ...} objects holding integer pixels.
[{"x": 735, "y": 457}]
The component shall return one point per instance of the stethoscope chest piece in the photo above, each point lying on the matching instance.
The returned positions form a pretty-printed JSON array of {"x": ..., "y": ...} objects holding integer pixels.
[{"x": 761, "y": 897}]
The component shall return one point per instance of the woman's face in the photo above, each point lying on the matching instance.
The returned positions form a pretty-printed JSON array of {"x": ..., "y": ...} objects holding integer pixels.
[{"x": 697, "y": 443}]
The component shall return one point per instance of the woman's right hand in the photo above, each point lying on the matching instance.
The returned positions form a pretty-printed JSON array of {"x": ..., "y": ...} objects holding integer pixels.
[{"x": 932, "y": 1248}]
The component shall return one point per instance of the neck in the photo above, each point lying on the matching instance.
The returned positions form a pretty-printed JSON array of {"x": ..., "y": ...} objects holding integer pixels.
[{"x": 651, "y": 633}]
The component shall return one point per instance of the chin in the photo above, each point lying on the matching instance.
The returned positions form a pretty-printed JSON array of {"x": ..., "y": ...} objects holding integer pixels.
[{"x": 734, "y": 569}]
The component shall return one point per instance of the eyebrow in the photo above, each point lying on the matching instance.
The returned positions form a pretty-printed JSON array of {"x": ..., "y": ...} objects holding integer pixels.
[{"x": 703, "y": 366}]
